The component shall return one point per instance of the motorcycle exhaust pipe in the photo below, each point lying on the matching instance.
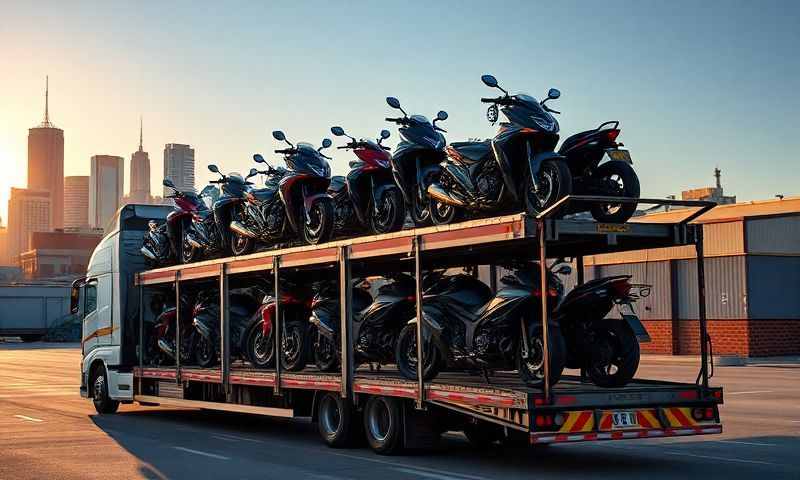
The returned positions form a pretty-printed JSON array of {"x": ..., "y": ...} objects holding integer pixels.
[
  {"x": 438, "y": 193},
  {"x": 166, "y": 347},
  {"x": 202, "y": 329},
  {"x": 240, "y": 229},
  {"x": 148, "y": 253}
]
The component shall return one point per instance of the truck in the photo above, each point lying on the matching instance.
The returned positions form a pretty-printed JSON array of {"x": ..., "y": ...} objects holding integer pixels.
[{"x": 393, "y": 413}]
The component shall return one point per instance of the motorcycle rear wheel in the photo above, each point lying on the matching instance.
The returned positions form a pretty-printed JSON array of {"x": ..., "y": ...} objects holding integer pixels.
[
  {"x": 189, "y": 254},
  {"x": 555, "y": 182},
  {"x": 444, "y": 213},
  {"x": 406, "y": 355},
  {"x": 623, "y": 182},
  {"x": 294, "y": 345},
  {"x": 241, "y": 244},
  {"x": 614, "y": 362},
  {"x": 205, "y": 352},
  {"x": 325, "y": 355}
]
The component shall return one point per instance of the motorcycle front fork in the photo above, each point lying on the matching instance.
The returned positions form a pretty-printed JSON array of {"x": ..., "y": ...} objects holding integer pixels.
[{"x": 526, "y": 347}]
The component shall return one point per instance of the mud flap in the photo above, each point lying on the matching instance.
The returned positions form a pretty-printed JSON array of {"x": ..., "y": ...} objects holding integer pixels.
[
  {"x": 419, "y": 428},
  {"x": 637, "y": 328}
]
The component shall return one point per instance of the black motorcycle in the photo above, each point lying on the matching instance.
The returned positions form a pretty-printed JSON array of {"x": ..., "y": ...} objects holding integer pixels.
[
  {"x": 415, "y": 163},
  {"x": 368, "y": 197},
  {"x": 615, "y": 177},
  {"x": 467, "y": 327},
  {"x": 515, "y": 170},
  {"x": 160, "y": 333},
  {"x": 295, "y": 203},
  {"x": 606, "y": 348},
  {"x": 377, "y": 322},
  {"x": 209, "y": 233}
]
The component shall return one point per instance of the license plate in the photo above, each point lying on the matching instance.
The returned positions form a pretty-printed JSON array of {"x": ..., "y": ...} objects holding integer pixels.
[
  {"x": 621, "y": 155},
  {"x": 624, "y": 419}
]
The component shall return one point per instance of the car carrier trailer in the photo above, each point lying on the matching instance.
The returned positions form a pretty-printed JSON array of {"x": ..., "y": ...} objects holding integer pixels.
[{"x": 399, "y": 413}]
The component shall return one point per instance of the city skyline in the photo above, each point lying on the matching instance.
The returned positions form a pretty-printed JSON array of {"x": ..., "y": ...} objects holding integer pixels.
[{"x": 683, "y": 110}]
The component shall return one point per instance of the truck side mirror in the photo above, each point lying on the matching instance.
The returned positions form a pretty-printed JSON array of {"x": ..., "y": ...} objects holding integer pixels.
[{"x": 74, "y": 298}]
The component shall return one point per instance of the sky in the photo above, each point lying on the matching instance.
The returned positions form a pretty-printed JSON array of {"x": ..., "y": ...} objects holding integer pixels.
[{"x": 694, "y": 84}]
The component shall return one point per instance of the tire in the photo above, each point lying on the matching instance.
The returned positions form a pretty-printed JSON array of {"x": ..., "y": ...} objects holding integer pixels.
[
  {"x": 483, "y": 434},
  {"x": 406, "y": 355},
  {"x": 322, "y": 218},
  {"x": 189, "y": 254},
  {"x": 261, "y": 350},
  {"x": 205, "y": 352},
  {"x": 293, "y": 346},
  {"x": 614, "y": 362},
  {"x": 102, "y": 402},
  {"x": 337, "y": 421},
  {"x": 390, "y": 214},
  {"x": 444, "y": 213},
  {"x": 532, "y": 371},
  {"x": 627, "y": 185},
  {"x": 241, "y": 244},
  {"x": 34, "y": 337},
  {"x": 326, "y": 356},
  {"x": 420, "y": 207},
  {"x": 383, "y": 426},
  {"x": 555, "y": 182}
]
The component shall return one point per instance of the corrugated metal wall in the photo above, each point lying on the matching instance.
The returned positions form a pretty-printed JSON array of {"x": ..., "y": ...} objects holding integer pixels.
[
  {"x": 774, "y": 287},
  {"x": 658, "y": 305},
  {"x": 726, "y": 289},
  {"x": 777, "y": 235}
]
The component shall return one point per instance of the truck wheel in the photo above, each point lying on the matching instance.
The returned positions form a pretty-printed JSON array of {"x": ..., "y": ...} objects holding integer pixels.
[
  {"x": 336, "y": 421},
  {"x": 383, "y": 425},
  {"x": 102, "y": 402}
]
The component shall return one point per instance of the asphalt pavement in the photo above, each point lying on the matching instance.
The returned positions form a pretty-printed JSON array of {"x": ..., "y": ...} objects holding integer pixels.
[{"x": 48, "y": 431}]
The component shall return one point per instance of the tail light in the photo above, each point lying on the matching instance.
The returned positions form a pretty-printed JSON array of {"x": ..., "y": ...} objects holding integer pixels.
[
  {"x": 621, "y": 288},
  {"x": 549, "y": 422},
  {"x": 612, "y": 135},
  {"x": 700, "y": 414}
]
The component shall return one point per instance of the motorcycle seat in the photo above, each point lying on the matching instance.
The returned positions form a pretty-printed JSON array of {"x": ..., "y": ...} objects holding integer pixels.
[
  {"x": 471, "y": 152},
  {"x": 337, "y": 184},
  {"x": 573, "y": 140}
]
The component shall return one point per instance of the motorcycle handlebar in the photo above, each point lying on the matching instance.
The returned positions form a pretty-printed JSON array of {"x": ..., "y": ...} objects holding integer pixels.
[
  {"x": 397, "y": 120},
  {"x": 285, "y": 151},
  {"x": 222, "y": 180},
  {"x": 488, "y": 100}
]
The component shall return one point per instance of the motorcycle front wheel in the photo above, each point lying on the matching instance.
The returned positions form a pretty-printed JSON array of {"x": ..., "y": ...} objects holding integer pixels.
[
  {"x": 189, "y": 254},
  {"x": 325, "y": 354},
  {"x": 293, "y": 346},
  {"x": 614, "y": 358},
  {"x": 261, "y": 348},
  {"x": 531, "y": 370},
  {"x": 318, "y": 228},
  {"x": 205, "y": 352},
  {"x": 389, "y": 213},
  {"x": 406, "y": 355},
  {"x": 554, "y": 182},
  {"x": 617, "y": 179}
]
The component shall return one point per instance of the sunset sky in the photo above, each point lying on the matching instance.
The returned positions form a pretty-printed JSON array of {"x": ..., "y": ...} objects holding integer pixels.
[{"x": 694, "y": 85}]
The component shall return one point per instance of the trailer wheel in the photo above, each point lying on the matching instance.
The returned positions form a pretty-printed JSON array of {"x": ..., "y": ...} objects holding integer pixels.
[
  {"x": 337, "y": 421},
  {"x": 383, "y": 425},
  {"x": 102, "y": 402}
]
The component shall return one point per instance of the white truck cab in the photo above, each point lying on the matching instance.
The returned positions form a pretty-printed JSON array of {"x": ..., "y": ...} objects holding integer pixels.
[{"x": 107, "y": 302}]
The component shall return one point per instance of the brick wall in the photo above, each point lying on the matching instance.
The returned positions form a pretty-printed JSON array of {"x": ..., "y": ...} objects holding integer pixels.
[
  {"x": 774, "y": 337},
  {"x": 751, "y": 338}
]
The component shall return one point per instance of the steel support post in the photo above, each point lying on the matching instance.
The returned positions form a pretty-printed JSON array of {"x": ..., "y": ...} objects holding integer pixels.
[
  {"x": 346, "y": 321},
  {"x": 225, "y": 329},
  {"x": 141, "y": 335},
  {"x": 277, "y": 324},
  {"x": 701, "y": 305},
  {"x": 544, "y": 288},
  {"x": 178, "y": 314},
  {"x": 420, "y": 350},
  {"x": 579, "y": 268}
]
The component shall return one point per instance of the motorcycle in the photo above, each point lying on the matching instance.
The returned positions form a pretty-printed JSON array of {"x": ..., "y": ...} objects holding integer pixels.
[
  {"x": 262, "y": 214},
  {"x": 377, "y": 322},
  {"x": 295, "y": 308},
  {"x": 415, "y": 163},
  {"x": 368, "y": 196},
  {"x": 298, "y": 205},
  {"x": 615, "y": 177},
  {"x": 466, "y": 326},
  {"x": 161, "y": 245},
  {"x": 208, "y": 233},
  {"x": 607, "y": 349},
  {"x": 516, "y": 169},
  {"x": 242, "y": 308},
  {"x": 161, "y": 337}
]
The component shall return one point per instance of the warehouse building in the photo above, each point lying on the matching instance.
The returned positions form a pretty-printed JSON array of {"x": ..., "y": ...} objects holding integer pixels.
[{"x": 752, "y": 272}]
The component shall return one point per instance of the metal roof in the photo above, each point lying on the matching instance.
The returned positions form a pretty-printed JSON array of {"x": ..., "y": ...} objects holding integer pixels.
[{"x": 735, "y": 211}]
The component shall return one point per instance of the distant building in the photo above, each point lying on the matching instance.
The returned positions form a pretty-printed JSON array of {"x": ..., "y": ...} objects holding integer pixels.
[
  {"x": 46, "y": 164},
  {"x": 28, "y": 212},
  {"x": 76, "y": 201},
  {"x": 140, "y": 174},
  {"x": 5, "y": 260},
  {"x": 714, "y": 194},
  {"x": 179, "y": 166},
  {"x": 105, "y": 189},
  {"x": 59, "y": 254}
]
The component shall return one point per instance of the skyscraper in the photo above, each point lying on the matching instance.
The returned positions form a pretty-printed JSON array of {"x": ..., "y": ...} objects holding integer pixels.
[
  {"x": 46, "y": 163},
  {"x": 179, "y": 166},
  {"x": 140, "y": 173},
  {"x": 28, "y": 211},
  {"x": 105, "y": 189},
  {"x": 76, "y": 201}
]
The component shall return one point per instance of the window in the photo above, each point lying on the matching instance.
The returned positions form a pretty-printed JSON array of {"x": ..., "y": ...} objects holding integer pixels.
[{"x": 91, "y": 299}]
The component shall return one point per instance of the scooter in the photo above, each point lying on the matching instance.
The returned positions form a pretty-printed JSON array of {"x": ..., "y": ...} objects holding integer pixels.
[
  {"x": 466, "y": 326},
  {"x": 415, "y": 163},
  {"x": 517, "y": 169},
  {"x": 368, "y": 197}
]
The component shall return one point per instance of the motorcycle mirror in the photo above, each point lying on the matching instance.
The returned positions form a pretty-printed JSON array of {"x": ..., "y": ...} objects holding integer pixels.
[
  {"x": 442, "y": 115},
  {"x": 489, "y": 81},
  {"x": 253, "y": 173},
  {"x": 338, "y": 131},
  {"x": 213, "y": 168},
  {"x": 168, "y": 183},
  {"x": 385, "y": 134},
  {"x": 393, "y": 102},
  {"x": 278, "y": 135},
  {"x": 259, "y": 158},
  {"x": 326, "y": 142},
  {"x": 553, "y": 93}
]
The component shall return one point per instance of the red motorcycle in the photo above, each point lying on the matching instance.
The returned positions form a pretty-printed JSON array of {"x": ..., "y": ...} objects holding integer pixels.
[
  {"x": 368, "y": 196},
  {"x": 161, "y": 340}
]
